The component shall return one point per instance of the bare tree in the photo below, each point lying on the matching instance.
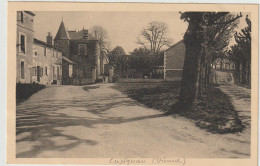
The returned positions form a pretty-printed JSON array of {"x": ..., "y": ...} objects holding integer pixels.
[
  {"x": 154, "y": 37},
  {"x": 100, "y": 34}
]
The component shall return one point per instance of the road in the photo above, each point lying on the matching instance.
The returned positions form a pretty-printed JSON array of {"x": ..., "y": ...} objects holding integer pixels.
[
  {"x": 240, "y": 97},
  {"x": 68, "y": 121}
]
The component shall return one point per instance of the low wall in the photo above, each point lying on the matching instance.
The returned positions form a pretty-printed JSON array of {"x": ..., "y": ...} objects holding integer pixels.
[
  {"x": 82, "y": 81},
  {"x": 173, "y": 78},
  {"x": 132, "y": 80}
]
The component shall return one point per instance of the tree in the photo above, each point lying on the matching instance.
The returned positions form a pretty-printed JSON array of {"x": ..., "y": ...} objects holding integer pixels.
[
  {"x": 153, "y": 37},
  {"x": 118, "y": 59},
  {"x": 241, "y": 54},
  {"x": 100, "y": 34},
  {"x": 207, "y": 35}
]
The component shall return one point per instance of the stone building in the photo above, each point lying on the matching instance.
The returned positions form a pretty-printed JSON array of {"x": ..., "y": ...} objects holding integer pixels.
[
  {"x": 37, "y": 61},
  {"x": 83, "y": 51},
  {"x": 174, "y": 61},
  {"x": 24, "y": 46},
  {"x": 47, "y": 63}
]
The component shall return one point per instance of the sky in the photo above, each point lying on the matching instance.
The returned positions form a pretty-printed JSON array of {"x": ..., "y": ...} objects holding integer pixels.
[{"x": 123, "y": 27}]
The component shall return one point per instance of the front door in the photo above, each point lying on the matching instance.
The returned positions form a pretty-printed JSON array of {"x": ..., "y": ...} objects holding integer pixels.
[{"x": 38, "y": 73}]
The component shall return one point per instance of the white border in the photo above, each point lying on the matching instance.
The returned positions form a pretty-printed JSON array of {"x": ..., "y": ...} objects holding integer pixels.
[{"x": 3, "y": 56}]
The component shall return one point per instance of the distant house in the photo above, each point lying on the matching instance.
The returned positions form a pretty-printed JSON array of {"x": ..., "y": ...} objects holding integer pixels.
[
  {"x": 82, "y": 51},
  {"x": 174, "y": 61}
]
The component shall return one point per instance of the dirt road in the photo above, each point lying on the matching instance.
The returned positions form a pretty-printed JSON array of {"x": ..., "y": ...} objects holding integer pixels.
[{"x": 68, "y": 121}]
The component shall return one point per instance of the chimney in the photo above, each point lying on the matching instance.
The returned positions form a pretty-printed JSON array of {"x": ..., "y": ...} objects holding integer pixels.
[
  {"x": 85, "y": 34},
  {"x": 49, "y": 38}
]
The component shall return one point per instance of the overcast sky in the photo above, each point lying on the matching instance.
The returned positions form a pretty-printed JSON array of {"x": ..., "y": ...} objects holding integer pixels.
[{"x": 123, "y": 27}]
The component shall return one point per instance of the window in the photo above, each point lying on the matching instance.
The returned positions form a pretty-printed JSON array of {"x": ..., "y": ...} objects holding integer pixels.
[
  {"x": 53, "y": 70},
  {"x": 70, "y": 70},
  {"x": 46, "y": 70},
  {"x": 41, "y": 71},
  {"x": 58, "y": 71},
  {"x": 82, "y": 49},
  {"x": 22, "y": 43},
  {"x": 35, "y": 53},
  {"x": 21, "y": 17},
  {"x": 45, "y": 51},
  {"x": 22, "y": 70},
  {"x": 34, "y": 71}
]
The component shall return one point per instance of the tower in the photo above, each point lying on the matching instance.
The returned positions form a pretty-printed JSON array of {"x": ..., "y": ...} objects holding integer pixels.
[{"x": 61, "y": 40}]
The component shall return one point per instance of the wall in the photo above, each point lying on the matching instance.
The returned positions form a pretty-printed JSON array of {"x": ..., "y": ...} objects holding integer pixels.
[
  {"x": 85, "y": 63},
  {"x": 53, "y": 58},
  {"x": 131, "y": 80},
  {"x": 174, "y": 59},
  {"x": 26, "y": 29}
]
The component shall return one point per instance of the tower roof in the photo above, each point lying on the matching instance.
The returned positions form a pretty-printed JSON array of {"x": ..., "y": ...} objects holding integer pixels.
[{"x": 62, "y": 33}]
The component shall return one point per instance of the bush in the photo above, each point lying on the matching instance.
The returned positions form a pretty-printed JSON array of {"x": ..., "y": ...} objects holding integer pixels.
[
  {"x": 99, "y": 80},
  {"x": 24, "y": 91}
]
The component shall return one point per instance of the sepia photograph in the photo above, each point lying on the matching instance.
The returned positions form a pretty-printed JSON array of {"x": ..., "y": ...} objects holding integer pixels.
[{"x": 126, "y": 85}]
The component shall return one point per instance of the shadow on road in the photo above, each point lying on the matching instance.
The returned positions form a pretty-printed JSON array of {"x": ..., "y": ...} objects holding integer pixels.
[{"x": 42, "y": 120}]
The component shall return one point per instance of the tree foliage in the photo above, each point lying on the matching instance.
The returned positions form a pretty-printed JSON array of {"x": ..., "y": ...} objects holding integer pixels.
[
  {"x": 240, "y": 54},
  {"x": 142, "y": 62},
  {"x": 206, "y": 38}
]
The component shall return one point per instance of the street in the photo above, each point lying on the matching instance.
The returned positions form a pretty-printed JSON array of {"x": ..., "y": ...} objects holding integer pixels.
[{"x": 98, "y": 121}]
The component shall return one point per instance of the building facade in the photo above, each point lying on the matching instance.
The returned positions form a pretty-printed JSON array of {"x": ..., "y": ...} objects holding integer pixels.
[
  {"x": 174, "y": 61},
  {"x": 47, "y": 63},
  {"x": 37, "y": 61},
  {"x": 24, "y": 46},
  {"x": 83, "y": 51}
]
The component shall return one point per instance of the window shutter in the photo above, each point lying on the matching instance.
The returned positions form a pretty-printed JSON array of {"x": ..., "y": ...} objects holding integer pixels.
[
  {"x": 46, "y": 70},
  {"x": 22, "y": 43},
  {"x": 18, "y": 16},
  {"x": 41, "y": 71}
]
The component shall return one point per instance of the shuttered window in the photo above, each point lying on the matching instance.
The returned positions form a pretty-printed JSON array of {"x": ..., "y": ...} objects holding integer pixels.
[
  {"x": 21, "y": 17},
  {"x": 22, "y": 70},
  {"x": 46, "y": 70},
  {"x": 22, "y": 42}
]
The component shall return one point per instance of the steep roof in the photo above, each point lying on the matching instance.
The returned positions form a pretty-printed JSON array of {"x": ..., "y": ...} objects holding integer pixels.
[
  {"x": 174, "y": 45},
  {"x": 29, "y": 12},
  {"x": 36, "y": 41},
  {"x": 68, "y": 60},
  {"x": 62, "y": 33}
]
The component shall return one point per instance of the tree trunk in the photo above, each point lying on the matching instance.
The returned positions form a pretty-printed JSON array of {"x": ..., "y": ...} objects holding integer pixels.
[
  {"x": 249, "y": 73},
  {"x": 191, "y": 68},
  {"x": 244, "y": 72},
  {"x": 208, "y": 76},
  {"x": 237, "y": 71}
]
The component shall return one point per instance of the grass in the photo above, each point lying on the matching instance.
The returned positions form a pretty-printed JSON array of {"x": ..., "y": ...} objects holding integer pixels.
[
  {"x": 160, "y": 96},
  {"x": 87, "y": 88},
  {"x": 24, "y": 91},
  {"x": 214, "y": 112}
]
